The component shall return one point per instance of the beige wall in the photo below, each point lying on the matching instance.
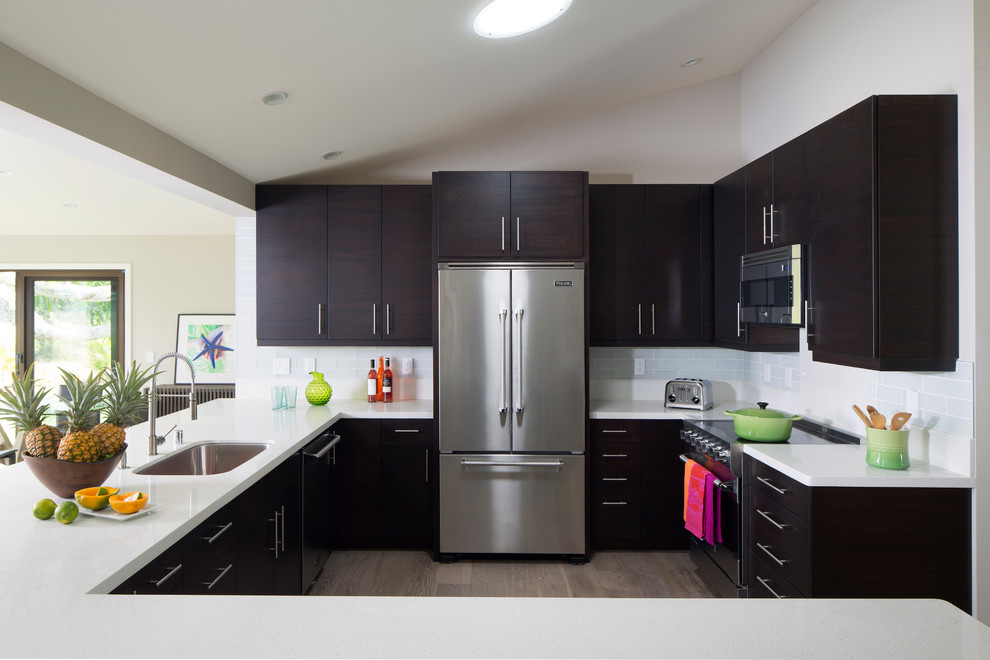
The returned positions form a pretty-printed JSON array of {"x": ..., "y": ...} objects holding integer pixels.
[{"x": 168, "y": 276}]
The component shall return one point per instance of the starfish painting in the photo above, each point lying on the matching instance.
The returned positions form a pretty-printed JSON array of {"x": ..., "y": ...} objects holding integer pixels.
[{"x": 213, "y": 349}]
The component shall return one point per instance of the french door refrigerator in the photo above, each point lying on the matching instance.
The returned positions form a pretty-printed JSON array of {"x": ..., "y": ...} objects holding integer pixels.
[{"x": 511, "y": 388}]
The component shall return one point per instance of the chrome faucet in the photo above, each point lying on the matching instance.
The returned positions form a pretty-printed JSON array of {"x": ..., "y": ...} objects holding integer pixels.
[{"x": 153, "y": 439}]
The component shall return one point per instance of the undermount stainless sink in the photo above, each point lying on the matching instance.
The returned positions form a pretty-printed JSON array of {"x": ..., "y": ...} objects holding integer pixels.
[{"x": 203, "y": 458}]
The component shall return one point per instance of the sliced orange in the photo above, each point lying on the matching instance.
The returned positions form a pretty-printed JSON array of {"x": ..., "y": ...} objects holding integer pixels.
[
  {"x": 90, "y": 498},
  {"x": 128, "y": 502}
]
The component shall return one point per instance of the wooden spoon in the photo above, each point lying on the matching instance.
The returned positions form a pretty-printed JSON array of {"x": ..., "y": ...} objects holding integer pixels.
[
  {"x": 870, "y": 410},
  {"x": 899, "y": 420},
  {"x": 862, "y": 416},
  {"x": 879, "y": 421}
]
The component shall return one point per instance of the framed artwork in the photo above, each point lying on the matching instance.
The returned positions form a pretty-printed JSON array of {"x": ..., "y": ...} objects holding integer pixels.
[{"x": 208, "y": 341}]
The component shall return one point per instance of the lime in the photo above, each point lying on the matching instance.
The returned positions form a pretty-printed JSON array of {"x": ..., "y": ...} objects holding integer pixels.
[
  {"x": 44, "y": 509},
  {"x": 103, "y": 491},
  {"x": 66, "y": 512}
]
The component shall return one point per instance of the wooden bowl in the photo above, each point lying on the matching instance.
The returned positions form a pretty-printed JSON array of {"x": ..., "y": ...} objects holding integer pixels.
[{"x": 64, "y": 478}]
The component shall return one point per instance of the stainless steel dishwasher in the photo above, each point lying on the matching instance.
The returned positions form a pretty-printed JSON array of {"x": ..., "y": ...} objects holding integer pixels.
[{"x": 317, "y": 509}]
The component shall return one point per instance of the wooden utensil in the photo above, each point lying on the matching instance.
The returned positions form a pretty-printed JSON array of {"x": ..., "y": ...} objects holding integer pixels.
[
  {"x": 862, "y": 416},
  {"x": 899, "y": 420},
  {"x": 870, "y": 410},
  {"x": 878, "y": 420}
]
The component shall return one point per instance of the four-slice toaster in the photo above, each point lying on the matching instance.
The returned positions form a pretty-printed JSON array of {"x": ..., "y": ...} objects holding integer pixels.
[{"x": 695, "y": 393}]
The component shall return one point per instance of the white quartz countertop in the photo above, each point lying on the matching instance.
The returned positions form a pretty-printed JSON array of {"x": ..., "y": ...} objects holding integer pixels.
[
  {"x": 55, "y": 579},
  {"x": 654, "y": 409}
]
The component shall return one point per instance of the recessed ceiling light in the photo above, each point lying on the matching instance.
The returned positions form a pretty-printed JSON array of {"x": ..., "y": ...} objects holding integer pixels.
[
  {"x": 70, "y": 205},
  {"x": 6, "y": 173},
  {"x": 508, "y": 18},
  {"x": 330, "y": 155},
  {"x": 691, "y": 62},
  {"x": 274, "y": 98}
]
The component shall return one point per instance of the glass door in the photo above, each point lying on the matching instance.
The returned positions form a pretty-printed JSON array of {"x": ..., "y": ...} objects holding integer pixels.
[{"x": 8, "y": 343}]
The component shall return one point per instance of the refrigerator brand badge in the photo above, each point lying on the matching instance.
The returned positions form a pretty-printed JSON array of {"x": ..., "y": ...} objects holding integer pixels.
[{"x": 563, "y": 282}]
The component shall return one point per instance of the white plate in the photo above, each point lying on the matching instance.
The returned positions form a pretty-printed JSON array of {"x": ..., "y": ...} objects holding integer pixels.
[{"x": 110, "y": 514}]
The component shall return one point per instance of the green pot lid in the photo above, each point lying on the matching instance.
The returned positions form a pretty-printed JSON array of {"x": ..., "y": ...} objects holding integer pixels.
[{"x": 762, "y": 412}]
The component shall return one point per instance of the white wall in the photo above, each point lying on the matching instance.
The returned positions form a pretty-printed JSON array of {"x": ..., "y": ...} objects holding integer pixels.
[{"x": 168, "y": 276}]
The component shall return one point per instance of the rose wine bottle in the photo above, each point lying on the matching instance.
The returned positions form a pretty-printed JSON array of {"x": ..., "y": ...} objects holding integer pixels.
[
  {"x": 372, "y": 383},
  {"x": 381, "y": 373},
  {"x": 387, "y": 382}
]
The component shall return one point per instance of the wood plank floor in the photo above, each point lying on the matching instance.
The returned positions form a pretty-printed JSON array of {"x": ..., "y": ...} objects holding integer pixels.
[{"x": 414, "y": 573}]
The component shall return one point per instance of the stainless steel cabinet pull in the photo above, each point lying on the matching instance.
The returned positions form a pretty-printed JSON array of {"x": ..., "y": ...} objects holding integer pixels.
[
  {"x": 323, "y": 452},
  {"x": 771, "y": 520},
  {"x": 427, "y": 450},
  {"x": 517, "y": 386},
  {"x": 653, "y": 319},
  {"x": 158, "y": 585},
  {"x": 614, "y": 503},
  {"x": 764, "y": 225},
  {"x": 319, "y": 319},
  {"x": 503, "y": 233},
  {"x": 771, "y": 223},
  {"x": 738, "y": 319},
  {"x": 614, "y": 455},
  {"x": 374, "y": 318},
  {"x": 502, "y": 314},
  {"x": 766, "y": 585},
  {"x": 639, "y": 319},
  {"x": 614, "y": 479},
  {"x": 764, "y": 481},
  {"x": 613, "y": 430},
  {"x": 406, "y": 431},
  {"x": 211, "y": 539},
  {"x": 210, "y": 585},
  {"x": 276, "y": 533},
  {"x": 283, "y": 528},
  {"x": 780, "y": 562},
  {"x": 807, "y": 317},
  {"x": 517, "y": 233},
  {"x": 388, "y": 319}
]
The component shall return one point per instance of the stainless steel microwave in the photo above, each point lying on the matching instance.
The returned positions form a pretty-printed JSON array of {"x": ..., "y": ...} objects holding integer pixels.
[{"x": 771, "y": 287}]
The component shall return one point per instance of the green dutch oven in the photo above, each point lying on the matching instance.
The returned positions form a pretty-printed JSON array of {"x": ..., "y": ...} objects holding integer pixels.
[{"x": 762, "y": 424}]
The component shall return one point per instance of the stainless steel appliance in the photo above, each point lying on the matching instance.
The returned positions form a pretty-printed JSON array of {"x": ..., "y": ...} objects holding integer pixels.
[
  {"x": 715, "y": 445},
  {"x": 771, "y": 287},
  {"x": 694, "y": 393},
  {"x": 512, "y": 417},
  {"x": 317, "y": 491}
]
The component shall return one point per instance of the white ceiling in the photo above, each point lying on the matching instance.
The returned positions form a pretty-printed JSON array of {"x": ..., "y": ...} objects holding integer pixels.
[{"x": 380, "y": 80}]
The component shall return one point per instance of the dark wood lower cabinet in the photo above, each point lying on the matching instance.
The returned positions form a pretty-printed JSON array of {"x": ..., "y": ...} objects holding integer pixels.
[
  {"x": 637, "y": 484},
  {"x": 828, "y": 542}
]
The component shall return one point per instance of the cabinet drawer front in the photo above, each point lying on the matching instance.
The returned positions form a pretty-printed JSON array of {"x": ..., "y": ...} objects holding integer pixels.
[
  {"x": 614, "y": 518},
  {"x": 217, "y": 575},
  {"x": 782, "y": 489},
  {"x": 162, "y": 575},
  {"x": 615, "y": 478},
  {"x": 780, "y": 525},
  {"x": 406, "y": 429},
  {"x": 608, "y": 454},
  {"x": 218, "y": 531},
  {"x": 768, "y": 583},
  {"x": 614, "y": 430},
  {"x": 783, "y": 559}
]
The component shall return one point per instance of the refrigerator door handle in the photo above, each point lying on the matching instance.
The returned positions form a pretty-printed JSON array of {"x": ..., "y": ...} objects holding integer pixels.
[
  {"x": 502, "y": 407},
  {"x": 517, "y": 385},
  {"x": 556, "y": 465}
]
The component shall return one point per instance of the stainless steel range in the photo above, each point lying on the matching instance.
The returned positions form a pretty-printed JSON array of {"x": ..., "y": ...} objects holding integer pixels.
[{"x": 715, "y": 445}]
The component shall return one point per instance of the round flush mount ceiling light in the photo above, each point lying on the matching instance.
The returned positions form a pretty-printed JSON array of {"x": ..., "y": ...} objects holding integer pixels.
[
  {"x": 508, "y": 18},
  {"x": 274, "y": 98},
  {"x": 330, "y": 155}
]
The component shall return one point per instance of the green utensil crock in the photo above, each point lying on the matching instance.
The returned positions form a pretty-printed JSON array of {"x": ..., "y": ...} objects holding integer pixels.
[{"x": 887, "y": 449}]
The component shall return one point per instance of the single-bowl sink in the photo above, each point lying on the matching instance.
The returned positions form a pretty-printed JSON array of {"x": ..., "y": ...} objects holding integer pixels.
[{"x": 202, "y": 458}]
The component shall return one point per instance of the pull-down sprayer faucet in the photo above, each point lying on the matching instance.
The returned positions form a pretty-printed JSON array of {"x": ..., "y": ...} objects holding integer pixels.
[{"x": 153, "y": 439}]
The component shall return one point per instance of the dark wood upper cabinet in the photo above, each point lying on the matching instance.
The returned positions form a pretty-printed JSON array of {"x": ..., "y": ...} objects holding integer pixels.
[
  {"x": 883, "y": 256},
  {"x": 650, "y": 272},
  {"x": 292, "y": 290},
  {"x": 729, "y": 246},
  {"x": 506, "y": 215},
  {"x": 344, "y": 265},
  {"x": 775, "y": 197}
]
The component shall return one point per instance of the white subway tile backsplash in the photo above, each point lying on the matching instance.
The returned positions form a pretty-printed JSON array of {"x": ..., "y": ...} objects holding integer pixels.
[{"x": 961, "y": 389}]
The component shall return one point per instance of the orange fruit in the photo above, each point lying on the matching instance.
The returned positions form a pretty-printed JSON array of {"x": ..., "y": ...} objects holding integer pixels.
[
  {"x": 95, "y": 498},
  {"x": 128, "y": 502}
]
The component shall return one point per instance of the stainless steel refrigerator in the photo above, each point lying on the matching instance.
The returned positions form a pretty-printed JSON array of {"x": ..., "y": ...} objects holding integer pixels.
[{"x": 511, "y": 384}]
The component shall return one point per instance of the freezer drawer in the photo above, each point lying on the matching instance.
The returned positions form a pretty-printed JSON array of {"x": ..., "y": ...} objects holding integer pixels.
[{"x": 498, "y": 503}]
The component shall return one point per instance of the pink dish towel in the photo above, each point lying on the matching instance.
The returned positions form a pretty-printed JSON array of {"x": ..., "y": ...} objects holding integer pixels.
[
  {"x": 713, "y": 513},
  {"x": 694, "y": 516}
]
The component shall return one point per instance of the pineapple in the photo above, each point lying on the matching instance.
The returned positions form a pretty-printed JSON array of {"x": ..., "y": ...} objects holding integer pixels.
[
  {"x": 83, "y": 399},
  {"x": 23, "y": 405},
  {"x": 123, "y": 406}
]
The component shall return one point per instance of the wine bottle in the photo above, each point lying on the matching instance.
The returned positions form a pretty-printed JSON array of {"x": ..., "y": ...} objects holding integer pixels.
[
  {"x": 387, "y": 382},
  {"x": 381, "y": 373},
  {"x": 372, "y": 383}
]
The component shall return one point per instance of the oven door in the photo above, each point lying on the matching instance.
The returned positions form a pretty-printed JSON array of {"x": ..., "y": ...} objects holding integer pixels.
[{"x": 721, "y": 564}]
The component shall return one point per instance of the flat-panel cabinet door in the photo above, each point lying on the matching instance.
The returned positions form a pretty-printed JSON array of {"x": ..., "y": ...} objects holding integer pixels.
[
  {"x": 548, "y": 214},
  {"x": 407, "y": 264},
  {"x": 357, "y": 483},
  {"x": 355, "y": 248},
  {"x": 288, "y": 558},
  {"x": 729, "y": 246},
  {"x": 790, "y": 222},
  {"x": 407, "y": 494},
  {"x": 291, "y": 230},
  {"x": 474, "y": 350},
  {"x": 473, "y": 214},
  {"x": 759, "y": 197},
  {"x": 678, "y": 249},
  {"x": 618, "y": 261}
]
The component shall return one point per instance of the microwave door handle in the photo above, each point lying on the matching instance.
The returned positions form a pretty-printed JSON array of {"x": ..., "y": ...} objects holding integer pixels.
[{"x": 502, "y": 408}]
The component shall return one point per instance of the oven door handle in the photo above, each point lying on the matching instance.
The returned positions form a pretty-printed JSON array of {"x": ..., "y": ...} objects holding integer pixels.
[{"x": 729, "y": 486}]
